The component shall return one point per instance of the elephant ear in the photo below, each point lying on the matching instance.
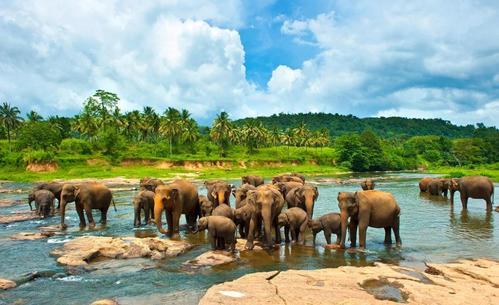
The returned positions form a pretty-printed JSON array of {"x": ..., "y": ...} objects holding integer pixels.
[
  {"x": 174, "y": 193},
  {"x": 356, "y": 198},
  {"x": 250, "y": 197},
  {"x": 77, "y": 191}
]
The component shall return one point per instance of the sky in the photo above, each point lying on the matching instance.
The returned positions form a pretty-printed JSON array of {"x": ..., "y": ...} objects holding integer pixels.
[{"x": 419, "y": 59}]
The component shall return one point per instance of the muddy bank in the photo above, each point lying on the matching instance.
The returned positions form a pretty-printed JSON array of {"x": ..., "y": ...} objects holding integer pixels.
[{"x": 463, "y": 282}]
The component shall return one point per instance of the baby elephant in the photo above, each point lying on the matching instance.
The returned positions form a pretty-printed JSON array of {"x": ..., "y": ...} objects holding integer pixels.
[
  {"x": 367, "y": 185},
  {"x": 294, "y": 220},
  {"x": 221, "y": 231},
  {"x": 206, "y": 206},
  {"x": 329, "y": 223},
  {"x": 144, "y": 200},
  {"x": 44, "y": 202},
  {"x": 224, "y": 210}
]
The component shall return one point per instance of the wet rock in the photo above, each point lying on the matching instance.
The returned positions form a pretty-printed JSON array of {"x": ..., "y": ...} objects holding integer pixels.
[
  {"x": 18, "y": 216},
  {"x": 31, "y": 235},
  {"x": 83, "y": 250},
  {"x": 241, "y": 245},
  {"x": 7, "y": 284},
  {"x": 10, "y": 202},
  {"x": 463, "y": 282},
  {"x": 209, "y": 259},
  {"x": 105, "y": 302}
]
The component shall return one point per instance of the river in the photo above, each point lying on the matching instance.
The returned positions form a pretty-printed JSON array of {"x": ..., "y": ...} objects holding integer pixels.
[{"x": 430, "y": 230}]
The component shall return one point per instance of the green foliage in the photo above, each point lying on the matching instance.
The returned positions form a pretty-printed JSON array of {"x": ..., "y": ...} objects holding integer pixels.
[
  {"x": 111, "y": 144},
  {"x": 38, "y": 156},
  {"x": 38, "y": 135},
  {"x": 75, "y": 146}
]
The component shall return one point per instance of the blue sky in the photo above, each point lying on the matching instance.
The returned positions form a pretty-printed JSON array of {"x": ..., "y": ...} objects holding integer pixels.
[{"x": 368, "y": 58}]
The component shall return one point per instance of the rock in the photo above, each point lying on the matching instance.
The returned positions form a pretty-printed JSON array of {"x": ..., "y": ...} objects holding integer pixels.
[
  {"x": 463, "y": 282},
  {"x": 31, "y": 235},
  {"x": 497, "y": 208},
  {"x": 105, "y": 302},
  {"x": 10, "y": 202},
  {"x": 241, "y": 245},
  {"x": 83, "y": 250},
  {"x": 18, "y": 216},
  {"x": 7, "y": 284},
  {"x": 209, "y": 259}
]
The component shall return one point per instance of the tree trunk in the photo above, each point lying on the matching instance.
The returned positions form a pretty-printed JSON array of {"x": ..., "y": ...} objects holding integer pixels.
[{"x": 8, "y": 136}]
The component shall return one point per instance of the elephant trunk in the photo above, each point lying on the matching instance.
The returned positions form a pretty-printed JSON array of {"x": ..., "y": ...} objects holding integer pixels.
[
  {"x": 452, "y": 196},
  {"x": 267, "y": 225},
  {"x": 221, "y": 197},
  {"x": 136, "y": 215},
  {"x": 63, "y": 212},
  {"x": 344, "y": 220},
  {"x": 158, "y": 209},
  {"x": 309, "y": 205}
]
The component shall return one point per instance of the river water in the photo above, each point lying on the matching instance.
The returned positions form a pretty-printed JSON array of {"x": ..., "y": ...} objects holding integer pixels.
[{"x": 430, "y": 230}]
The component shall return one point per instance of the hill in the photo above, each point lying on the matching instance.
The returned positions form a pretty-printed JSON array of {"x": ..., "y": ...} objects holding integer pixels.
[{"x": 338, "y": 124}]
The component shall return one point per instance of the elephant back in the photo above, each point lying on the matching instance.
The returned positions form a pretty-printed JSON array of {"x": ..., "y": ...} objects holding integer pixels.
[{"x": 188, "y": 194}]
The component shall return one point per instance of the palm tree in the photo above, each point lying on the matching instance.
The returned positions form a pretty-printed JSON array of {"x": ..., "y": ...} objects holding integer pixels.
[
  {"x": 151, "y": 123},
  {"x": 288, "y": 138},
  {"x": 275, "y": 136},
  {"x": 9, "y": 118},
  {"x": 86, "y": 124},
  {"x": 33, "y": 116},
  {"x": 221, "y": 131},
  {"x": 171, "y": 126},
  {"x": 252, "y": 134},
  {"x": 301, "y": 134},
  {"x": 190, "y": 133}
]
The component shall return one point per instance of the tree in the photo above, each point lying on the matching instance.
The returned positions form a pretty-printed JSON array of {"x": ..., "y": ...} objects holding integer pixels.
[
  {"x": 252, "y": 134},
  {"x": 301, "y": 134},
  {"x": 33, "y": 116},
  {"x": 171, "y": 126},
  {"x": 151, "y": 123},
  {"x": 288, "y": 138},
  {"x": 38, "y": 135},
  {"x": 220, "y": 132},
  {"x": 10, "y": 119}
]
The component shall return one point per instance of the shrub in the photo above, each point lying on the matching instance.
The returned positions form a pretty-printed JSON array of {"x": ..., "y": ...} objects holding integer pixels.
[
  {"x": 38, "y": 135},
  {"x": 111, "y": 144},
  {"x": 75, "y": 146},
  {"x": 38, "y": 156}
]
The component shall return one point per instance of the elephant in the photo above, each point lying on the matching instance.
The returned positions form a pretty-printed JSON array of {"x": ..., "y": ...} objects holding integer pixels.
[
  {"x": 423, "y": 184},
  {"x": 367, "y": 185},
  {"x": 252, "y": 180},
  {"x": 293, "y": 177},
  {"x": 375, "y": 209},
  {"x": 54, "y": 187},
  {"x": 329, "y": 223},
  {"x": 206, "y": 206},
  {"x": 44, "y": 202},
  {"x": 268, "y": 203},
  {"x": 437, "y": 187},
  {"x": 224, "y": 210},
  {"x": 86, "y": 196},
  {"x": 150, "y": 184},
  {"x": 303, "y": 197},
  {"x": 176, "y": 198},
  {"x": 242, "y": 218},
  {"x": 218, "y": 191},
  {"x": 478, "y": 187},
  {"x": 294, "y": 220},
  {"x": 144, "y": 200},
  {"x": 285, "y": 187},
  {"x": 221, "y": 231},
  {"x": 241, "y": 192}
]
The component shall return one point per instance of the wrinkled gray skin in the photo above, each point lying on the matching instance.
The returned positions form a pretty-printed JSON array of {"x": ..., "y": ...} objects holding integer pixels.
[
  {"x": 329, "y": 223},
  {"x": 252, "y": 180},
  {"x": 44, "y": 202},
  {"x": 438, "y": 187},
  {"x": 285, "y": 187},
  {"x": 293, "y": 177},
  {"x": 150, "y": 184},
  {"x": 88, "y": 197},
  {"x": 221, "y": 232},
  {"x": 144, "y": 200},
  {"x": 303, "y": 197},
  {"x": 374, "y": 209},
  {"x": 206, "y": 206},
  {"x": 478, "y": 187},
  {"x": 268, "y": 203},
  {"x": 224, "y": 210},
  {"x": 242, "y": 217},
  {"x": 240, "y": 194},
  {"x": 218, "y": 192},
  {"x": 294, "y": 220},
  {"x": 367, "y": 185},
  {"x": 54, "y": 187}
]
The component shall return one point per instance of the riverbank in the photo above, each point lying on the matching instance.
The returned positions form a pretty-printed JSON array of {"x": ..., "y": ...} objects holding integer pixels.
[
  {"x": 462, "y": 282},
  {"x": 208, "y": 170}
]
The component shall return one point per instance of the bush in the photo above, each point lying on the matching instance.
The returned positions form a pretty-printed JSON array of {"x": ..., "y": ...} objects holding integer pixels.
[
  {"x": 11, "y": 158},
  {"x": 38, "y": 156},
  {"x": 111, "y": 144},
  {"x": 75, "y": 146},
  {"x": 38, "y": 135}
]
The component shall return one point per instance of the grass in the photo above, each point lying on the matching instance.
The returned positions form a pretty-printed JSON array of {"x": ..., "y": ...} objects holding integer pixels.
[{"x": 489, "y": 170}]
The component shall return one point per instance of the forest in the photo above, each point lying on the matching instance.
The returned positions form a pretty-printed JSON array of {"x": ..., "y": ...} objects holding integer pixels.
[{"x": 102, "y": 130}]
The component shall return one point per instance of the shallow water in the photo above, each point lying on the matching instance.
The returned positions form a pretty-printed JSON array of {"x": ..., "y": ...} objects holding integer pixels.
[{"x": 430, "y": 231}]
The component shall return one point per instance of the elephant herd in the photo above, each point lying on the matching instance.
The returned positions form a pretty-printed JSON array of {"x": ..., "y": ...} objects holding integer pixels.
[{"x": 478, "y": 187}]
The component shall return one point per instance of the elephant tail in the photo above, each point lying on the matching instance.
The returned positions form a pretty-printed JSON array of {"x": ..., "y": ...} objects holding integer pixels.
[{"x": 114, "y": 205}]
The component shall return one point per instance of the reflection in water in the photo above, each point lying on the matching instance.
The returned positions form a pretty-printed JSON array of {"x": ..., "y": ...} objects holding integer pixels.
[
  {"x": 472, "y": 226},
  {"x": 433, "y": 199}
]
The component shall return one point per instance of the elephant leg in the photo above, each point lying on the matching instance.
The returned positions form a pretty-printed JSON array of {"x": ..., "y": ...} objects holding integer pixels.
[
  {"x": 213, "y": 242},
  {"x": 362, "y": 234},
  {"x": 147, "y": 214},
  {"x": 79, "y": 210},
  {"x": 176, "y": 220},
  {"x": 338, "y": 238},
  {"x": 464, "y": 201},
  {"x": 169, "y": 221},
  {"x": 489, "y": 203},
  {"x": 278, "y": 238},
  {"x": 191, "y": 221},
  {"x": 327, "y": 235},
  {"x": 388, "y": 235},
  {"x": 91, "y": 222},
  {"x": 241, "y": 230},
  {"x": 286, "y": 234},
  {"x": 396, "y": 231},
  {"x": 301, "y": 233},
  {"x": 293, "y": 234},
  {"x": 251, "y": 234},
  {"x": 136, "y": 218},
  {"x": 353, "y": 233}
]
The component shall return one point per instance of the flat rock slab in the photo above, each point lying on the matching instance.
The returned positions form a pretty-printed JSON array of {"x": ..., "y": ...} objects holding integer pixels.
[
  {"x": 241, "y": 245},
  {"x": 209, "y": 259},
  {"x": 20, "y": 216},
  {"x": 83, "y": 250},
  {"x": 7, "y": 284},
  {"x": 463, "y": 282},
  {"x": 31, "y": 235},
  {"x": 10, "y": 202}
]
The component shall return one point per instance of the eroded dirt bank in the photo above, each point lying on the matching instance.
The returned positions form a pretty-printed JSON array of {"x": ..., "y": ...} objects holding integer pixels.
[{"x": 463, "y": 282}]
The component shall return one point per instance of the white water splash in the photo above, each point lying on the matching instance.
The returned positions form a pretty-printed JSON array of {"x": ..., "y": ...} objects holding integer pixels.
[
  {"x": 58, "y": 241},
  {"x": 232, "y": 294}
]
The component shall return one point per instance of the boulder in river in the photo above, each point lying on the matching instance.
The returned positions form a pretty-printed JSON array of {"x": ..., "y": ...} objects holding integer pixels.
[
  {"x": 7, "y": 284},
  {"x": 18, "y": 216},
  {"x": 463, "y": 282},
  {"x": 31, "y": 235},
  {"x": 10, "y": 202},
  {"x": 83, "y": 250},
  {"x": 210, "y": 259}
]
